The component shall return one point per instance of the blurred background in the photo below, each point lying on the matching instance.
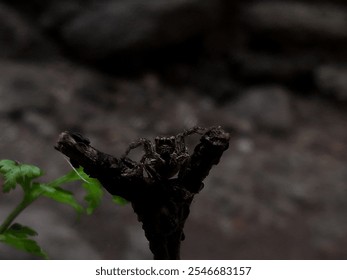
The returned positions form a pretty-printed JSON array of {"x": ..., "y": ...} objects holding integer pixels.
[{"x": 273, "y": 73}]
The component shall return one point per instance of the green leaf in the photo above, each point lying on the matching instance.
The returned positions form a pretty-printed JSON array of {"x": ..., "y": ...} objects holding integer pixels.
[
  {"x": 94, "y": 194},
  {"x": 119, "y": 200},
  {"x": 21, "y": 231},
  {"x": 94, "y": 191},
  {"x": 15, "y": 172},
  {"x": 58, "y": 194},
  {"x": 18, "y": 236},
  {"x": 67, "y": 178},
  {"x": 92, "y": 186},
  {"x": 20, "y": 241}
]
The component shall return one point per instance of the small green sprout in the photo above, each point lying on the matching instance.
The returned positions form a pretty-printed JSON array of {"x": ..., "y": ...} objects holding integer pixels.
[{"x": 24, "y": 175}]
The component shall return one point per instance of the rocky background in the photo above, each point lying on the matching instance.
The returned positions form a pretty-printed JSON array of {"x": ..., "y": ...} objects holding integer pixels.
[{"x": 273, "y": 73}]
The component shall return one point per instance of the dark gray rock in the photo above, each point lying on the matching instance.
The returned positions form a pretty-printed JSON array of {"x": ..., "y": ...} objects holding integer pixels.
[
  {"x": 25, "y": 86},
  {"x": 20, "y": 38},
  {"x": 34, "y": 93},
  {"x": 102, "y": 30},
  {"x": 265, "y": 107},
  {"x": 303, "y": 20},
  {"x": 55, "y": 13},
  {"x": 331, "y": 80},
  {"x": 14, "y": 35},
  {"x": 281, "y": 68}
]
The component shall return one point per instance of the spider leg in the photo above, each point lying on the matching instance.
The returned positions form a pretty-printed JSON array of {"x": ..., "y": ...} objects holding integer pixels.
[
  {"x": 194, "y": 130},
  {"x": 180, "y": 143},
  {"x": 151, "y": 172},
  {"x": 148, "y": 161},
  {"x": 136, "y": 171},
  {"x": 147, "y": 146}
]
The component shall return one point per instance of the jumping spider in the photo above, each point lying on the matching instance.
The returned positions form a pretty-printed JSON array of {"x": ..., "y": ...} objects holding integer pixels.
[{"x": 164, "y": 158}]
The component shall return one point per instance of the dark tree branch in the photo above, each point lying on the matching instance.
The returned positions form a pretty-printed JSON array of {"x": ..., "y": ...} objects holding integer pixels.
[
  {"x": 161, "y": 204},
  {"x": 106, "y": 168},
  {"x": 206, "y": 154}
]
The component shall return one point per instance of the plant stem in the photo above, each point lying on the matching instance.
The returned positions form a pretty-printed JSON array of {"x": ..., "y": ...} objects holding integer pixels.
[{"x": 14, "y": 214}]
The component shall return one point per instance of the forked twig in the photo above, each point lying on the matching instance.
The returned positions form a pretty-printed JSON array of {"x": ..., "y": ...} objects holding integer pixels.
[{"x": 162, "y": 195}]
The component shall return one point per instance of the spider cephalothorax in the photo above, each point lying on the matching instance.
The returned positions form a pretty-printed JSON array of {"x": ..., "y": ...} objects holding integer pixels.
[
  {"x": 165, "y": 147},
  {"x": 164, "y": 158}
]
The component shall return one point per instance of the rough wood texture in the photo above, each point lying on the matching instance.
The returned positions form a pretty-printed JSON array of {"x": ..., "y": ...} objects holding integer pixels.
[{"x": 161, "y": 204}]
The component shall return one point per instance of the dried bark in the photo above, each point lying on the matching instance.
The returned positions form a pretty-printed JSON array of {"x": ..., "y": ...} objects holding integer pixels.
[{"x": 161, "y": 204}]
